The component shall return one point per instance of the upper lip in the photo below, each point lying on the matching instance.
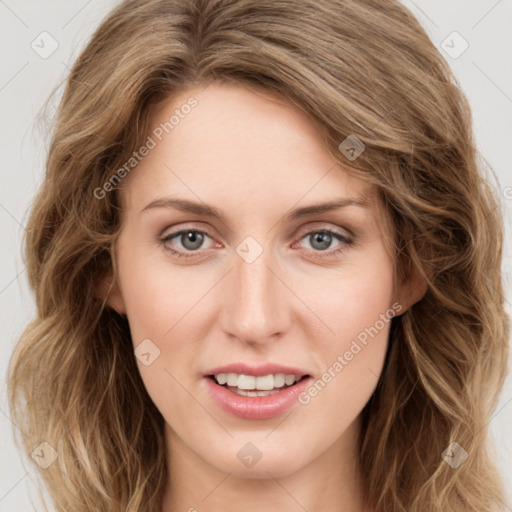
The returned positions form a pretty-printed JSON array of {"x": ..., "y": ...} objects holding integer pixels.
[{"x": 256, "y": 371}]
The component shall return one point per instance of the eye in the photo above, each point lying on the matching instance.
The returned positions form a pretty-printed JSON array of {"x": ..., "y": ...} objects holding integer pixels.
[
  {"x": 320, "y": 240},
  {"x": 191, "y": 240}
]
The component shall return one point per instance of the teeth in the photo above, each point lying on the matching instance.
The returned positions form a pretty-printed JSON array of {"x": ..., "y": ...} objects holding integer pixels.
[
  {"x": 252, "y": 383},
  {"x": 244, "y": 392},
  {"x": 246, "y": 382},
  {"x": 279, "y": 380},
  {"x": 289, "y": 380},
  {"x": 221, "y": 378},
  {"x": 232, "y": 379}
]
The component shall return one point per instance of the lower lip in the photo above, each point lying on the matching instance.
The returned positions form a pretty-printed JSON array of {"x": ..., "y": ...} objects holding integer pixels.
[{"x": 255, "y": 407}]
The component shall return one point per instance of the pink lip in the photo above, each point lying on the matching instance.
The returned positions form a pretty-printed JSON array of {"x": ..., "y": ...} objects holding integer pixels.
[
  {"x": 257, "y": 371},
  {"x": 256, "y": 407}
]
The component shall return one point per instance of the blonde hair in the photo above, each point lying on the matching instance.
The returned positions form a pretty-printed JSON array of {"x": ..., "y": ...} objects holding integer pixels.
[{"x": 360, "y": 67}]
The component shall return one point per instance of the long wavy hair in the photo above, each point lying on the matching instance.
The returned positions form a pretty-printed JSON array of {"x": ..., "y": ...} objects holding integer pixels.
[{"x": 357, "y": 67}]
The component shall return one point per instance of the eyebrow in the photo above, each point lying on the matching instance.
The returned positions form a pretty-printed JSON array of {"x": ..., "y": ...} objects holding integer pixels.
[{"x": 206, "y": 210}]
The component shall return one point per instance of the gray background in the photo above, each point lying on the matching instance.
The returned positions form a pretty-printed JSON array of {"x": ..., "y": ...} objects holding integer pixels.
[{"x": 29, "y": 74}]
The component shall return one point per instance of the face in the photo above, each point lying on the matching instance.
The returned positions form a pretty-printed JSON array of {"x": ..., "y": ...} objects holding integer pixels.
[{"x": 226, "y": 272}]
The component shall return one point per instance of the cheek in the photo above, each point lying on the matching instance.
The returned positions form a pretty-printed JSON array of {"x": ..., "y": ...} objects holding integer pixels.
[
  {"x": 157, "y": 297},
  {"x": 159, "y": 301},
  {"x": 352, "y": 299},
  {"x": 356, "y": 307},
  {"x": 168, "y": 319}
]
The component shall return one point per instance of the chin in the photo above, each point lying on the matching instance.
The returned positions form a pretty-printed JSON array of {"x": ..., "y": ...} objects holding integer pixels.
[{"x": 258, "y": 459}]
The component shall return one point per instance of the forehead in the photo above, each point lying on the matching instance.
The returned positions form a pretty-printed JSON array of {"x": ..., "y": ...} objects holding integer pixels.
[
  {"x": 238, "y": 138},
  {"x": 241, "y": 150}
]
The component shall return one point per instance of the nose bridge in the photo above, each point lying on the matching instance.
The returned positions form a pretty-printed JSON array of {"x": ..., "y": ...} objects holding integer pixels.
[{"x": 257, "y": 306}]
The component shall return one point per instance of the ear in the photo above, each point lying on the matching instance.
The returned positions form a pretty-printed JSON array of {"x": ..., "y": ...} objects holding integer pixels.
[
  {"x": 411, "y": 289},
  {"x": 107, "y": 287}
]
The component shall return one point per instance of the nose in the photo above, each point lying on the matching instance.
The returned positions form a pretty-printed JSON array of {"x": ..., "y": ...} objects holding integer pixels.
[{"x": 256, "y": 306}]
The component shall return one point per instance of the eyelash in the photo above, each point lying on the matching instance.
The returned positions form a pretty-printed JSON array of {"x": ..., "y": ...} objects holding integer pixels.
[{"x": 342, "y": 238}]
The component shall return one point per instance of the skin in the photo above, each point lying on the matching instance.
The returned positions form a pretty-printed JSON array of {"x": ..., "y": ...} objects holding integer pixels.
[{"x": 254, "y": 157}]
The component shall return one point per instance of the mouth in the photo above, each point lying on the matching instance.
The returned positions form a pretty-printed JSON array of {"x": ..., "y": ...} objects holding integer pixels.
[
  {"x": 254, "y": 386},
  {"x": 256, "y": 392}
]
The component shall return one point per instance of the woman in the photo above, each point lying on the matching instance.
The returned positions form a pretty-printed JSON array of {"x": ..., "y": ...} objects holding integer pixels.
[{"x": 267, "y": 269}]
